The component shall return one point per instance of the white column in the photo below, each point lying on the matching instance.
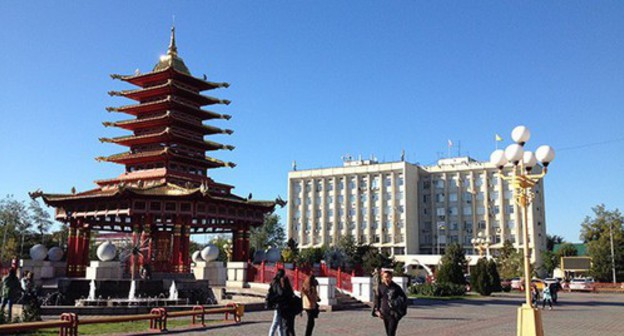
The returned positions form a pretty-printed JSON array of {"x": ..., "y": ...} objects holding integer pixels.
[{"x": 327, "y": 291}]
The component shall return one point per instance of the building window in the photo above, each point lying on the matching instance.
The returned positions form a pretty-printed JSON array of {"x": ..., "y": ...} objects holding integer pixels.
[
  {"x": 480, "y": 210},
  {"x": 426, "y": 184},
  {"x": 440, "y": 197},
  {"x": 453, "y": 197},
  {"x": 481, "y": 225},
  {"x": 468, "y": 210}
]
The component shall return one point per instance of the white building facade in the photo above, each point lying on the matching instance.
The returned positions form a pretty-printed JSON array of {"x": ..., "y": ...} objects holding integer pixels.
[{"x": 407, "y": 209}]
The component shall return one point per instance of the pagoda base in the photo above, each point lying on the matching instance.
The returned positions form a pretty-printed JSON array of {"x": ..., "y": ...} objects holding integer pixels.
[
  {"x": 236, "y": 274},
  {"x": 41, "y": 269},
  {"x": 213, "y": 271},
  {"x": 104, "y": 270}
]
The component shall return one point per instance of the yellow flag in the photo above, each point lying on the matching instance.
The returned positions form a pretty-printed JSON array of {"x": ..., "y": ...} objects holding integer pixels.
[{"x": 498, "y": 138}]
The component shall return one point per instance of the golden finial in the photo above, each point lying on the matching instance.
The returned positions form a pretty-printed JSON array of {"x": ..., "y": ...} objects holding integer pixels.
[{"x": 173, "y": 50}]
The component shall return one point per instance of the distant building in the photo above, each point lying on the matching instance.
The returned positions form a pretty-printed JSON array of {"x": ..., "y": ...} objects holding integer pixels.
[
  {"x": 573, "y": 266},
  {"x": 407, "y": 209}
]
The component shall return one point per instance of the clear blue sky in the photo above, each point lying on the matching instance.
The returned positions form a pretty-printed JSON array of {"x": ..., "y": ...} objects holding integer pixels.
[{"x": 314, "y": 80}]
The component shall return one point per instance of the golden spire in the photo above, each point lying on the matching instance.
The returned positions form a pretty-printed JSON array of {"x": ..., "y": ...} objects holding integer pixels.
[{"x": 173, "y": 50}]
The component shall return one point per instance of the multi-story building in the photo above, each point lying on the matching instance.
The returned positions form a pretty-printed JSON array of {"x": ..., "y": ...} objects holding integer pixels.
[{"x": 404, "y": 208}]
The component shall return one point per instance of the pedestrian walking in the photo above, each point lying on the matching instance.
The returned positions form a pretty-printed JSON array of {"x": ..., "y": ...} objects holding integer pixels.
[
  {"x": 547, "y": 297},
  {"x": 534, "y": 295},
  {"x": 554, "y": 291},
  {"x": 309, "y": 291},
  {"x": 390, "y": 302},
  {"x": 10, "y": 292},
  {"x": 278, "y": 301}
]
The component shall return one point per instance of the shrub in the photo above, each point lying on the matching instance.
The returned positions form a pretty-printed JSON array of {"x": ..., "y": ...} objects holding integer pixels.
[
  {"x": 438, "y": 289},
  {"x": 452, "y": 266}
]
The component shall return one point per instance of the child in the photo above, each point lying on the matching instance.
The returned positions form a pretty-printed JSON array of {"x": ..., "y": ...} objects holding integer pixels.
[{"x": 547, "y": 297}]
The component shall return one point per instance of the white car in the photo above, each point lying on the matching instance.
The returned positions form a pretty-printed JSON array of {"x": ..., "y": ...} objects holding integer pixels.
[
  {"x": 516, "y": 283},
  {"x": 582, "y": 284}
]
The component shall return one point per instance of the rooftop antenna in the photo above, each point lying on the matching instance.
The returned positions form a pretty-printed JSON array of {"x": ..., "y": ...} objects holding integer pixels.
[{"x": 403, "y": 155}]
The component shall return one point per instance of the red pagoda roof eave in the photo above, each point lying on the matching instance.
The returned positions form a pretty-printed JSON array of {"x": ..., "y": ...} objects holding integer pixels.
[
  {"x": 166, "y": 136},
  {"x": 165, "y": 120},
  {"x": 156, "y": 76},
  {"x": 170, "y": 88},
  {"x": 156, "y": 156},
  {"x": 167, "y": 104}
]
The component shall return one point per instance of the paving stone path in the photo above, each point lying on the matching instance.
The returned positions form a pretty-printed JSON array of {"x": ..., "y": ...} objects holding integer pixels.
[{"x": 581, "y": 314}]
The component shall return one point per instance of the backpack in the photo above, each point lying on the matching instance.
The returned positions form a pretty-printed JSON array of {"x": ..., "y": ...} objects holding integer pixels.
[
  {"x": 295, "y": 305},
  {"x": 398, "y": 302}
]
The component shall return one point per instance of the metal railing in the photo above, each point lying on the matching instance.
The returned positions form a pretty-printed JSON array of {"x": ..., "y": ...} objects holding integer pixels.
[{"x": 69, "y": 323}]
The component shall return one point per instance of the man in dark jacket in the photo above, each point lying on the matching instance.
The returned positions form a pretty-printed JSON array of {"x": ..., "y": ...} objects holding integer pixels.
[
  {"x": 390, "y": 302},
  {"x": 10, "y": 291}
]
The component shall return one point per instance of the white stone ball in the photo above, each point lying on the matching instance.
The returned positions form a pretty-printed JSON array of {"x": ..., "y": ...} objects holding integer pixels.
[
  {"x": 55, "y": 254},
  {"x": 273, "y": 255},
  {"x": 210, "y": 253},
  {"x": 259, "y": 256},
  {"x": 106, "y": 251},
  {"x": 197, "y": 256},
  {"x": 38, "y": 252}
]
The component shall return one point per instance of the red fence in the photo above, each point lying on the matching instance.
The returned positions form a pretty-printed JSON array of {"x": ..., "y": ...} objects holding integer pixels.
[{"x": 264, "y": 273}]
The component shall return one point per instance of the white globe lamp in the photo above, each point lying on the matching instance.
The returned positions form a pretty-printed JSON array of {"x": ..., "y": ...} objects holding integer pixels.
[
  {"x": 529, "y": 160},
  {"x": 520, "y": 135},
  {"x": 545, "y": 154},
  {"x": 514, "y": 153},
  {"x": 498, "y": 158}
]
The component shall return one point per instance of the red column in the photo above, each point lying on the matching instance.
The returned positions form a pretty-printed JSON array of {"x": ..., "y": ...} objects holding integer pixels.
[
  {"x": 78, "y": 248},
  {"x": 238, "y": 242},
  {"x": 71, "y": 248},
  {"x": 246, "y": 236},
  {"x": 147, "y": 229},
  {"x": 85, "y": 242},
  {"x": 186, "y": 245},
  {"x": 175, "y": 255}
]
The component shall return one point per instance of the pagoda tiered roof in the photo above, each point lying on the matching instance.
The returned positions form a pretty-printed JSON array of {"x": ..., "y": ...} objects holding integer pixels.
[
  {"x": 167, "y": 119},
  {"x": 159, "y": 155},
  {"x": 171, "y": 87},
  {"x": 168, "y": 134},
  {"x": 169, "y": 103},
  {"x": 161, "y": 189}
]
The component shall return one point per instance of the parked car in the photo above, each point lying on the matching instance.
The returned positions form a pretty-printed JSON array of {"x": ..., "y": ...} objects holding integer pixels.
[
  {"x": 516, "y": 283},
  {"x": 506, "y": 285},
  {"x": 582, "y": 284},
  {"x": 549, "y": 281}
]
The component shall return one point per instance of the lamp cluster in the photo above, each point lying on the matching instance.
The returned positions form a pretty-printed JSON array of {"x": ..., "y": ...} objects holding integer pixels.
[{"x": 515, "y": 153}]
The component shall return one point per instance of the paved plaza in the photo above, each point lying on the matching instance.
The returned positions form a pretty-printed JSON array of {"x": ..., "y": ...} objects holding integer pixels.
[{"x": 577, "y": 314}]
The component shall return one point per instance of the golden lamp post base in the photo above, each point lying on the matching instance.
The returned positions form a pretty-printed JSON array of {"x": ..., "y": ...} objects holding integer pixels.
[{"x": 529, "y": 321}]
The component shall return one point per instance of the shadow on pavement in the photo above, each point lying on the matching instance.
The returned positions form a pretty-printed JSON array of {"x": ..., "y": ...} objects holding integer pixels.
[{"x": 195, "y": 329}]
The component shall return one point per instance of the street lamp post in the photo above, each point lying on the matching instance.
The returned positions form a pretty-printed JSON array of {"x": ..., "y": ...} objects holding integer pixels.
[
  {"x": 523, "y": 181},
  {"x": 482, "y": 244},
  {"x": 612, "y": 252}
]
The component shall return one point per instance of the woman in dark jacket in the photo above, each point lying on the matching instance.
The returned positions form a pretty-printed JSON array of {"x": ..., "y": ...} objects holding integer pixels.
[{"x": 280, "y": 297}]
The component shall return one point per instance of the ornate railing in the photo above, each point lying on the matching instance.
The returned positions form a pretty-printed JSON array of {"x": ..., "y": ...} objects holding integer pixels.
[{"x": 264, "y": 273}]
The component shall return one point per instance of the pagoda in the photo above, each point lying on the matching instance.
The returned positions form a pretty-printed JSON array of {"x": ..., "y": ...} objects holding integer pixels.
[{"x": 165, "y": 194}]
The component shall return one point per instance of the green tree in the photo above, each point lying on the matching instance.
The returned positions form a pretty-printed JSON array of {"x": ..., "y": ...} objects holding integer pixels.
[
  {"x": 551, "y": 241},
  {"x": 270, "y": 234},
  {"x": 550, "y": 261},
  {"x": 494, "y": 277},
  {"x": 567, "y": 250},
  {"x": 510, "y": 261},
  {"x": 596, "y": 233},
  {"x": 452, "y": 266},
  {"x": 15, "y": 224},
  {"x": 349, "y": 247},
  {"x": 372, "y": 259},
  {"x": 40, "y": 219}
]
